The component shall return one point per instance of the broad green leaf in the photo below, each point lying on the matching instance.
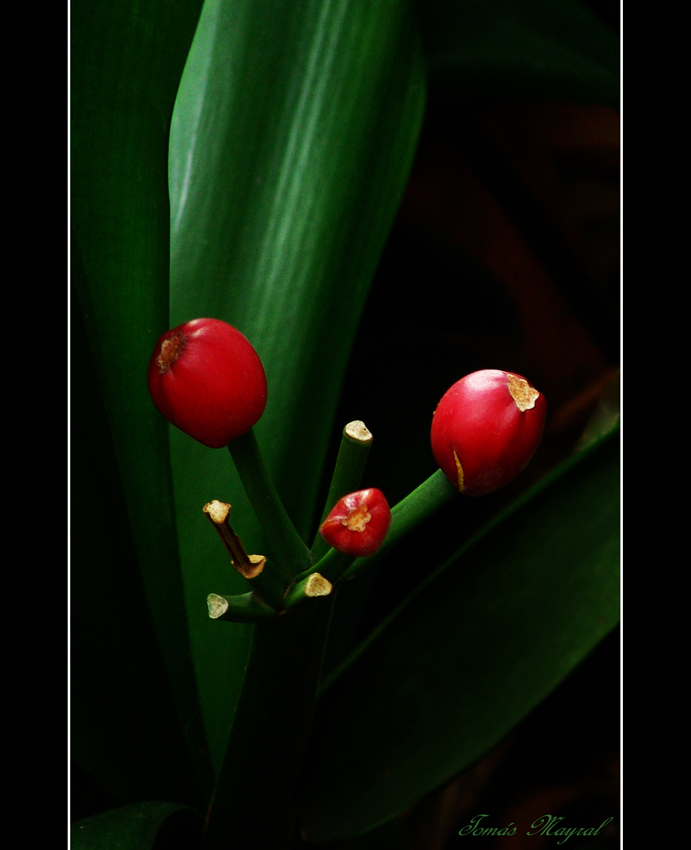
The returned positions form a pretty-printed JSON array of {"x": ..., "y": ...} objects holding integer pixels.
[
  {"x": 520, "y": 48},
  {"x": 127, "y": 58},
  {"x": 140, "y": 826},
  {"x": 293, "y": 134},
  {"x": 472, "y": 652},
  {"x": 124, "y": 728}
]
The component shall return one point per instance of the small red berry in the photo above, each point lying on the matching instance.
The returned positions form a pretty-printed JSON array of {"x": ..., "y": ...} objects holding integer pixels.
[
  {"x": 486, "y": 429},
  {"x": 358, "y": 523},
  {"x": 206, "y": 378}
]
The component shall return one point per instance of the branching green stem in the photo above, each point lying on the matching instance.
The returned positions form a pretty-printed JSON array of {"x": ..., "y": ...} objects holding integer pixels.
[
  {"x": 255, "y": 801},
  {"x": 287, "y": 545}
]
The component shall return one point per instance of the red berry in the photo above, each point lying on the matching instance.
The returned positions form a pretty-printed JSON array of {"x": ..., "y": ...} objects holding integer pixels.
[
  {"x": 358, "y": 523},
  {"x": 486, "y": 429},
  {"x": 206, "y": 378}
]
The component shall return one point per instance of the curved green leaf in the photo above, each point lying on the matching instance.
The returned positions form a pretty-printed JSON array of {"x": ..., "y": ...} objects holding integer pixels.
[
  {"x": 472, "y": 652},
  {"x": 124, "y": 728},
  {"x": 126, "y": 62},
  {"x": 140, "y": 826},
  {"x": 292, "y": 138}
]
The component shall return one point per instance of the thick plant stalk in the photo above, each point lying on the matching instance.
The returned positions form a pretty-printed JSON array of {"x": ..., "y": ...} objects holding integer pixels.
[{"x": 255, "y": 801}]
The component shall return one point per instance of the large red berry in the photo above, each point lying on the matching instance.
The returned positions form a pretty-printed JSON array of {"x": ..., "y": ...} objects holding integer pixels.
[
  {"x": 358, "y": 523},
  {"x": 486, "y": 429},
  {"x": 206, "y": 378}
]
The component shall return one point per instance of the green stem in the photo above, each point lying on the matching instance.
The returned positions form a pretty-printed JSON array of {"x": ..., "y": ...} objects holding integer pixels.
[
  {"x": 332, "y": 566},
  {"x": 410, "y": 512},
  {"x": 312, "y": 585},
  {"x": 288, "y": 547},
  {"x": 255, "y": 801},
  {"x": 270, "y": 587},
  {"x": 347, "y": 475},
  {"x": 246, "y": 608}
]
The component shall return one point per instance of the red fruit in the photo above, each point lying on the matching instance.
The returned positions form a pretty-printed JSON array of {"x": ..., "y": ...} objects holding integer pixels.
[
  {"x": 206, "y": 378},
  {"x": 486, "y": 429},
  {"x": 358, "y": 523}
]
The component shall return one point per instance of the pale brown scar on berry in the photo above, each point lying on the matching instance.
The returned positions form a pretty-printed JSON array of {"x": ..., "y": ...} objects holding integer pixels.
[
  {"x": 357, "y": 519},
  {"x": 522, "y": 393}
]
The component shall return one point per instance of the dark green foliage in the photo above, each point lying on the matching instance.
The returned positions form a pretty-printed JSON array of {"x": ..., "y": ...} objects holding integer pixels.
[{"x": 260, "y": 186}]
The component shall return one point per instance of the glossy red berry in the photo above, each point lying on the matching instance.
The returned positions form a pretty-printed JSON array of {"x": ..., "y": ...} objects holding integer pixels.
[
  {"x": 358, "y": 523},
  {"x": 206, "y": 378},
  {"x": 486, "y": 429}
]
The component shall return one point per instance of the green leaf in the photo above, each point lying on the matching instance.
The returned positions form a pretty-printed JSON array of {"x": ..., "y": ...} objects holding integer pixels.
[
  {"x": 293, "y": 135},
  {"x": 124, "y": 726},
  {"x": 127, "y": 58},
  {"x": 475, "y": 649},
  {"x": 140, "y": 826},
  {"x": 520, "y": 48}
]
